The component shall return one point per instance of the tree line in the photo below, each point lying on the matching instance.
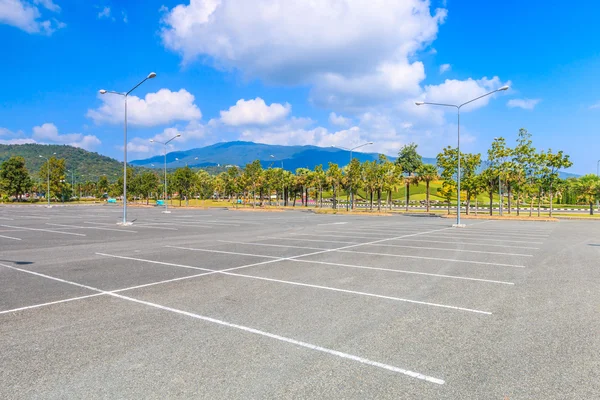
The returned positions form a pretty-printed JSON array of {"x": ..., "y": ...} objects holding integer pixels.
[{"x": 525, "y": 177}]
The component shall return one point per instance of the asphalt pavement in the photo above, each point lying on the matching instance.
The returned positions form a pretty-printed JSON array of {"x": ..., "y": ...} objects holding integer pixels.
[{"x": 221, "y": 304}]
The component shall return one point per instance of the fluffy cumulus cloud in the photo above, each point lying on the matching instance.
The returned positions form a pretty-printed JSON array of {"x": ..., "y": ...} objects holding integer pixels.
[
  {"x": 254, "y": 112},
  {"x": 454, "y": 91},
  {"x": 349, "y": 50},
  {"x": 192, "y": 135},
  {"x": 48, "y": 133},
  {"x": 158, "y": 108},
  {"x": 338, "y": 120},
  {"x": 28, "y": 15},
  {"x": 445, "y": 68},
  {"x": 525, "y": 104},
  {"x": 104, "y": 13}
]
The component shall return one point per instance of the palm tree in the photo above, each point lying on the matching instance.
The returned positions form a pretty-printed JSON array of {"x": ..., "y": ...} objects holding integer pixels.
[
  {"x": 426, "y": 173},
  {"x": 588, "y": 189}
]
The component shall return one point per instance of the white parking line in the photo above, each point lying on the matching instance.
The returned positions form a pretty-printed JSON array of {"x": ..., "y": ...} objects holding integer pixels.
[
  {"x": 90, "y": 227},
  {"x": 44, "y": 230},
  {"x": 471, "y": 244},
  {"x": 352, "y": 252},
  {"x": 50, "y": 303},
  {"x": 137, "y": 225},
  {"x": 364, "y": 267},
  {"x": 251, "y": 330},
  {"x": 9, "y": 237},
  {"x": 402, "y": 271},
  {"x": 479, "y": 238},
  {"x": 404, "y": 247}
]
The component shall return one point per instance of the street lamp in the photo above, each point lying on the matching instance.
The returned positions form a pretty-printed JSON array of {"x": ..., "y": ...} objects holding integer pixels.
[
  {"x": 458, "y": 107},
  {"x": 48, "y": 191},
  {"x": 351, "y": 150},
  {"x": 165, "y": 153},
  {"x": 125, "y": 95}
]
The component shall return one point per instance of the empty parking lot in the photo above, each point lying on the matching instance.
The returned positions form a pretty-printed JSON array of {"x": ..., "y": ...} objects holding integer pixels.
[{"x": 225, "y": 304}]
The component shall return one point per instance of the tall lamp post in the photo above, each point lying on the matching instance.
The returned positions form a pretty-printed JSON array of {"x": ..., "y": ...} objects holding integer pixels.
[
  {"x": 598, "y": 174},
  {"x": 125, "y": 95},
  {"x": 165, "y": 153},
  {"x": 48, "y": 191},
  {"x": 351, "y": 150},
  {"x": 458, "y": 107}
]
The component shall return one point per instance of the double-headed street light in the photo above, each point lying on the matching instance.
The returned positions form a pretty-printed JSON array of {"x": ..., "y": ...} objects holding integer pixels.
[
  {"x": 458, "y": 107},
  {"x": 165, "y": 153},
  {"x": 351, "y": 150},
  {"x": 102, "y": 91},
  {"x": 48, "y": 191}
]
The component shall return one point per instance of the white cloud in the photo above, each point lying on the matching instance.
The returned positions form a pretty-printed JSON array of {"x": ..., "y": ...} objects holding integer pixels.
[
  {"x": 48, "y": 132},
  {"x": 350, "y": 50},
  {"x": 445, "y": 68},
  {"x": 124, "y": 15},
  {"x": 525, "y": 104},
  {"x": 597, "y": 105},
  {"x": 339, "y": 120},
  {"x": 157, "y": 108},
  {"x": 27, "y": 16},
  {"x": 105, "y": 13},
  {"x": 192, "y": 135},
  {"x": 254, "y": 112},
  {"x": 48, "y": 4},
  {"x": 17, "y": 141},
  {"x": 453, "y": 91}
]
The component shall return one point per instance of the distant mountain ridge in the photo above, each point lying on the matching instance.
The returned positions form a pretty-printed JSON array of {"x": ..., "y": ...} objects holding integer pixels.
[
  {"x": 241, "y": 153},
  {"x": 84, "y": 164}
]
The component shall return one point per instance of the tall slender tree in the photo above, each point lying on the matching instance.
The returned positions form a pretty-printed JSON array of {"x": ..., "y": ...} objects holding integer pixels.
[
  {"x": 427, "y": 173},
  {"x": 409, "y": 160}
]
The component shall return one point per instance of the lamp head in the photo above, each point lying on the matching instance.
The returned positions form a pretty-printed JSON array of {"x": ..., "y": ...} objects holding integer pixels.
[
  {"x": 151, "y": 75},
  {"x": 505, "y": 87},
  {"x": 419, "y": 103},
  {"x": 40, "y": 156},
  {"x": 151, "y": 140},
  {"x": 370, "y": 143},
  {"x": 178, "y": 135},
  {"x": 102, "y": 91}
]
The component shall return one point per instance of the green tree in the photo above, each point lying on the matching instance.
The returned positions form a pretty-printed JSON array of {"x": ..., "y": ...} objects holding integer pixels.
[
  {"x": 320, "y": 180},
  {"x": 469, "y": 179},
  {"x": 587, "y": 188},
  {"x": 409, "y": 160},
  {"x": 354, "y": 178},
  {"x": 551, "y": 164},
  {"x": 14, "y": 177},
  {"x": 522, "y": 168},
  {"x": 427, "y": 173},
  {"x": 447, "y": 162},
  {"x": 499, "y": 159},
  {"x": 102, "y": 186},
  {"x": 144, "y": 184},
  {"x": 182, "y": 182},
  {"x": 252, "y": 178},
  {"x": 57, "y": 176},
  {"x": 334, "y": 179},
  {"x": 205, "y": 184}
]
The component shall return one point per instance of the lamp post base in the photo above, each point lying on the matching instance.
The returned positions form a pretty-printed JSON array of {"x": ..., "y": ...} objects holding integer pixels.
[
  {"x": 459, "y": 225},
  {"x": 127, "y": 223},
  {"x": 166, "y": 212}
]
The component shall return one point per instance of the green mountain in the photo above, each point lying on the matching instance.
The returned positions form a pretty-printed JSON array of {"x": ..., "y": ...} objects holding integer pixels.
[{"x": 85, "y": 164}]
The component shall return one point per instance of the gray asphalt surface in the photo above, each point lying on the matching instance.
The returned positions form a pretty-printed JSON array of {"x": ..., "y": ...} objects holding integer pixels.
[{"x": 221, "y": 304}]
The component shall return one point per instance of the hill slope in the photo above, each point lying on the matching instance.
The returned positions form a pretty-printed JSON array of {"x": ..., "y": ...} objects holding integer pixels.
[
  {"x": 84, "y": 163},
  {"x": 241, "y": 153}
]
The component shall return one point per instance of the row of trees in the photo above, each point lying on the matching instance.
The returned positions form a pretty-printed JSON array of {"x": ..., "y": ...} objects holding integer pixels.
[{"x": 521, "y": 173}]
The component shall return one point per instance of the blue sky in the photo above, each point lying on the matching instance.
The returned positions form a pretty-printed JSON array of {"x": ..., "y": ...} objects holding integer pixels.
[{"x": 334, "y": 72}]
